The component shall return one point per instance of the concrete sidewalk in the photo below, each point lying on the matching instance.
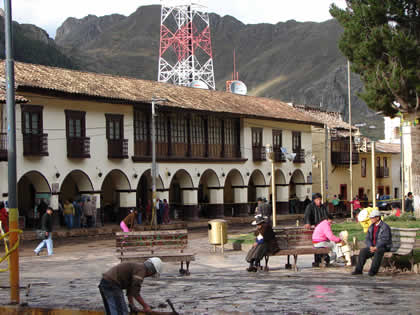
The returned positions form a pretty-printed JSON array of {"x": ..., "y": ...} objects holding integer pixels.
[{"x": 110, "y": 229}]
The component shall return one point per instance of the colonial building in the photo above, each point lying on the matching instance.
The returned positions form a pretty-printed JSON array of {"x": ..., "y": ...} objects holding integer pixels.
[{"x": 87, "y": 134}]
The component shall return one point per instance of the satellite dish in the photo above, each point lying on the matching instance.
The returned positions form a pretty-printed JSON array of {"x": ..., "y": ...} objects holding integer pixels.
[
  {"x": 238, "y": 87},
  {"x": 197, "y": 84}
]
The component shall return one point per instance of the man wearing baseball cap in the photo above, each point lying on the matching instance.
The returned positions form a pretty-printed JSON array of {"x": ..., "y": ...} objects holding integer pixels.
[
  {"x": 127, "y": 276},
  {"x": 378, "y": 241}
]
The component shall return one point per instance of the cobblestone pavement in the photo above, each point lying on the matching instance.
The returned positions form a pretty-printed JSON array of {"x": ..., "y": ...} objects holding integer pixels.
[{"x": 218, "y": 284}]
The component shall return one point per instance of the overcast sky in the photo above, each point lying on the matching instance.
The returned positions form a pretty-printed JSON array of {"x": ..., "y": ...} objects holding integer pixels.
[{"x": 50, "y": 14}]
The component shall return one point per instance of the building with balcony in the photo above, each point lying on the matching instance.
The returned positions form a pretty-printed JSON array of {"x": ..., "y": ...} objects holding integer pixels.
[{"x": 87, "y": 134}]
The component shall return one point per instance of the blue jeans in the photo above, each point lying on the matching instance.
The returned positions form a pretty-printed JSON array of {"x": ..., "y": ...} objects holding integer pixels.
[
  {"x": 46, "y": 243},
  {"x": 68, "y": 218},
  {"x": 113, "y": 298},
  {"x": 77, "y": 221}
]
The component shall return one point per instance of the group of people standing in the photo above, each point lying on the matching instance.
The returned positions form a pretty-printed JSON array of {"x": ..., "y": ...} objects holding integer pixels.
[{"x": 79, "y": 213}]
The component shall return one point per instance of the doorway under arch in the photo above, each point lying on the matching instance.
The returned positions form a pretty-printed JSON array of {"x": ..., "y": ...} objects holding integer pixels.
[
  {"x": 210, "y": 195},
  {"x": 183, "y": 196},
  {"x": 115, "y": 182}
]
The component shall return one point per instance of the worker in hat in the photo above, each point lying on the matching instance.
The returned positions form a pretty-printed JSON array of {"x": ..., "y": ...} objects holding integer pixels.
[
  {"x": 378, "y": 241},
  {"x": 265, "y": 243},
  {"x": 127, "y": 276}
]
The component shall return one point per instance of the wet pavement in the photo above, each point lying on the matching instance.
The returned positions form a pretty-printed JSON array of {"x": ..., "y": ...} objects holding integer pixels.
[{"x": 218, "y": 283}]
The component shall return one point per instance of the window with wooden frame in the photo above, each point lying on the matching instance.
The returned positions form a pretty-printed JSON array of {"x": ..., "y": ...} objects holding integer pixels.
[
  {"x": 296, "y": 141},
  {"x": 32, "y": 120},
  {"x": 141, "y": 133},
  {"x": 198, "y": 136},
  {"x": 231, "y": 138},
  {"x": 35, "y": 142},
  {"x": 78, "y": 145},
  {"x": 114, "y": 126},
  {"x": 258, "y": 151},
  {"x": 162, "y": 144},
  {"x": 215, "y": 137},
  {"x": 363, "y": 167},
  {"x": 179, "y": 135},
  {"x": 75, "y": 124},
  {"x": 277, "y": 140}
]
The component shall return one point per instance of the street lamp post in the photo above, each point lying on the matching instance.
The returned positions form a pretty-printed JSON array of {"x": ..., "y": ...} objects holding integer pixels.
[
  {"x": 154, "y": 166},
  {"x": 270, "y": 156}
]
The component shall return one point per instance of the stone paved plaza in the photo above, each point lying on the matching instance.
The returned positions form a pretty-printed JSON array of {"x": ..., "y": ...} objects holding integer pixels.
[{"x": 218, "y": 283}]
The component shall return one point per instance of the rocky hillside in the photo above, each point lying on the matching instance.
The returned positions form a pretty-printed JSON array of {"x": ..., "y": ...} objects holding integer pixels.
[{"x": 32, "y": 44}]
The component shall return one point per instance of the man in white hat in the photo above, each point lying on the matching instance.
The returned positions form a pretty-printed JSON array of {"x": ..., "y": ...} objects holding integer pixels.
[
  {"x": 378, "y": 241},
  {"x": 127, "y": 276}
]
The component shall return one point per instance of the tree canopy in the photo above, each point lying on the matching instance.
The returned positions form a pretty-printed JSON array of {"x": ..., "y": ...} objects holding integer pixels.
[{"x": 382, "y": 41}]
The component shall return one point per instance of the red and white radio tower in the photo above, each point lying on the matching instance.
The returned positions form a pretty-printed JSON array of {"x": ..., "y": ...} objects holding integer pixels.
[{"x": 185, "y": 56}]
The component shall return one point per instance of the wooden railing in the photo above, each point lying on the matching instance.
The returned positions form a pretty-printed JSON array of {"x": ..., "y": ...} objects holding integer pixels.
[
  {"x": 258, "y": 154},
  {"x": 78, "y": 147},
  {"x": 118, "y": 149},
  {"x": 279, "y": 156},
  {"x": 36, "y": 145},
  {"x": 343, "y": 158},
  {"x": 300, "y": 156}
]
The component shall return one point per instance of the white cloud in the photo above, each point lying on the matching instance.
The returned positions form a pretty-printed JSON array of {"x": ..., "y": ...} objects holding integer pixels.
[{"x": 50, "y": 14}]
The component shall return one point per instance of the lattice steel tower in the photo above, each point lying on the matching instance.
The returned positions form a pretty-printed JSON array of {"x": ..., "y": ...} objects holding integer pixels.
[{"x": 185, "y": 55}]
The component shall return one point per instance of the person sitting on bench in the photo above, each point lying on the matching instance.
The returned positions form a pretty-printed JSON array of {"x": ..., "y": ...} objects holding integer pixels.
[
  {"x": 378, "y": 241},
  {"x": 324, "y": 237},
  {"x": 265, "y": 243}
]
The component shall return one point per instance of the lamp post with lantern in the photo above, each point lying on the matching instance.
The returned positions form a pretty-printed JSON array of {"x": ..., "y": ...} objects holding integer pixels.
[{"x": 270, "y": 157}]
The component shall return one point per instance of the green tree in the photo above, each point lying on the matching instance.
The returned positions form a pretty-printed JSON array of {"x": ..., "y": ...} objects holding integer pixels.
[{"x": 382, "y": 41}]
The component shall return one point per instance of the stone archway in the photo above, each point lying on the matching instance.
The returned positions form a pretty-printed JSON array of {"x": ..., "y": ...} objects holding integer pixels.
[
  {"x": 235, "y": 195},
  {"x": 297, "y": 186},
  {"x": 32, "y": 189},
  {"x": 74, "y": 185},
  {"x": 144, "y": 189},
  {"x": 115, "y": 196},
  {"x": 210, "y": 195},
  {"x": 183, "y": 196},
  {"x": 257, "y": 187}
]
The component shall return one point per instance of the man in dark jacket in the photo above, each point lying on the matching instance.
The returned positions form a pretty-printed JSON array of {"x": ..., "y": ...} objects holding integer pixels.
[
  {"x": 409, "y": 207},
  {"x": 378, "y": 241},
  {"x": 315, "y": 212},
  {"x": 47, "y": 223}
]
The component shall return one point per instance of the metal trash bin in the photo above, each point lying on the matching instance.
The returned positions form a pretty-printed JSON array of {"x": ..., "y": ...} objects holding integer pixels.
[{"x": 217, "y": 233}]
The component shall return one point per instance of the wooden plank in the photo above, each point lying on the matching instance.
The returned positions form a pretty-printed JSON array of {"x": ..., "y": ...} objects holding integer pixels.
[
  {"x": 148, "y": 249},
  {"x": 402, "y": 245},
  {"x": 404, "y": 233},
  {"x": 160, "y": 232},
  {"x": 405, "y": 229},
  {"x": 128, "y": 243},
  {"x": 401, "y": 252},
  {"x": 302, "y": 251},
  {"x": 410, "y": 240}
]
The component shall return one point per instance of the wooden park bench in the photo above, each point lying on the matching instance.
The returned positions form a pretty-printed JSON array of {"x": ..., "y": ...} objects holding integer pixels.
[
  {"x": 168, "y": 245},
  {"x": 295, "y": 241},
  {"x": 403, "y": 244}
]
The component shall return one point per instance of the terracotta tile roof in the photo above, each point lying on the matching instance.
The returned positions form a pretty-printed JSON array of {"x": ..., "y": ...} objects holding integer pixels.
[
  {"x": 125, "y": 89},
  {"x": 18, "y": 98},
  {"x": 332, "y": 119},
  {"x": 387, "y": 147}
]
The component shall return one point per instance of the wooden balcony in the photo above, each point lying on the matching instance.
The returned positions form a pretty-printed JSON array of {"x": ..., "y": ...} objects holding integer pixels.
[
  {"x": 35, "y": 145},
  {"x": 258, "y": 154},
  {"x": 118, "y": 149},
  {"x": 343, "y": 158},
  {"x": 300, "y": 156},
  {"x": 279, "y": 156},
  {"x": 3, "y": 146},
  {"x": 78, "y": 147},
  {"x": 382, "y": 172}
]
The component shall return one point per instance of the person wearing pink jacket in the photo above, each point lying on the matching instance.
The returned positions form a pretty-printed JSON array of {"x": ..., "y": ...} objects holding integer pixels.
[{"x": 324, "y": 237}]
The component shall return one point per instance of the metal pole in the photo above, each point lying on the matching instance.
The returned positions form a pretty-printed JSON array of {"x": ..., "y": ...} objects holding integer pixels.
[
  {"x": 322, "y": 181},
  {"x": 351, "y": 142},
  {"x": 373, "y": 175},
  {"x": 402, "y": 164},
  {"x": 154, "y": 214},
  {"x": 326, "y": 162},
  {"x": 11, "y": 149},
  {"x": 273, "y": 190}
]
